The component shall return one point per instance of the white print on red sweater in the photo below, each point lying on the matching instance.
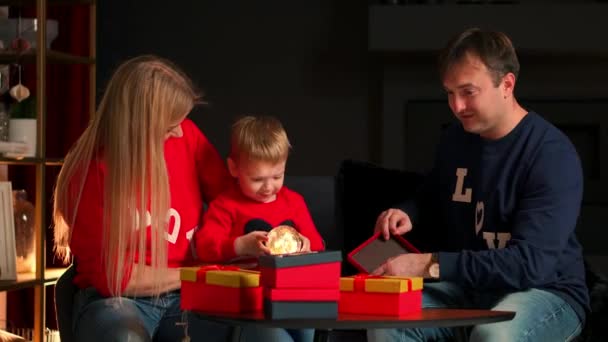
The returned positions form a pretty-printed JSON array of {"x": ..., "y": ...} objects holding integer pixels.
[{"x": 172, "y": 238}]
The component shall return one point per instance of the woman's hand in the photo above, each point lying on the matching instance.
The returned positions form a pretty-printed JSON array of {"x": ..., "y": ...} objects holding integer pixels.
[
  {"x": 393, "y": 221},
  {"x": 251, "y": 244}
]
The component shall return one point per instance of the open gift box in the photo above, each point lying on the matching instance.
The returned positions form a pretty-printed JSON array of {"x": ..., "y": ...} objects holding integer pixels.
[
  {"x": 314, "y": 270},
  {"x": 380, "y": 295},
  {"x": 220, "y": 289}
]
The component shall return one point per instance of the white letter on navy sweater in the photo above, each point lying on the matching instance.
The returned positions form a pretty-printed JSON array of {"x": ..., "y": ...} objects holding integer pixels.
[
  {"x": 458, "y": 195},
  {"x": 496, "y": 239}
]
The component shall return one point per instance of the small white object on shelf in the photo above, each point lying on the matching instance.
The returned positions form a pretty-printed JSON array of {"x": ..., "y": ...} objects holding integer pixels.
[
  {"x": 13, "y": 149},
  {"x": 24, "y": 131}
]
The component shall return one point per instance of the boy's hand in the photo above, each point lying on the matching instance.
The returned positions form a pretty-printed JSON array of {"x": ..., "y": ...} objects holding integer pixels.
[
  {"x": 305, "y": 243},
  {"x": 251, "y": 244}
]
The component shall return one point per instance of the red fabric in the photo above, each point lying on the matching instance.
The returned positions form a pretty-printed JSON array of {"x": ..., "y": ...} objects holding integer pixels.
[
  {"x": 196, "y": 174},
  {"x": 231, "y": 211},
  {"x": 317, "y": 276}
]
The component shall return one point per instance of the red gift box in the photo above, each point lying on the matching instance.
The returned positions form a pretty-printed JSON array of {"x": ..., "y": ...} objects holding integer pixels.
[
  {"x": 316, "y": 270},
  {"x": 380, "y": 295},
  {"x": 302, "y": 295},
  {"x": 220, "y": 289}
]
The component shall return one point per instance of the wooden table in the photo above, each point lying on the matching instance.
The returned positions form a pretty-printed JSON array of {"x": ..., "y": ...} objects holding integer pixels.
[{"x": 426, "y": 318}]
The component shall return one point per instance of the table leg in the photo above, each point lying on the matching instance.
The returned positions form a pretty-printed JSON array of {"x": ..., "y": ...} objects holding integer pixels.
[
  {"x": 322, "y": 335},
  {"x": 461, "y": 334}
]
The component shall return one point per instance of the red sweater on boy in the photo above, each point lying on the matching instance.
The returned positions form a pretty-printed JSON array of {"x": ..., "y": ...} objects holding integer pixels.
[
  {"x": 197, "y": 174},
  {"x": 233, "y": 214}
]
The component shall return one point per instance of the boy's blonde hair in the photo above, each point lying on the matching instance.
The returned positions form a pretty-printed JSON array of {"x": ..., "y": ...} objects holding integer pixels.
[
  {"x": 260, "y": 138},
  {"x": 144, "y": 97}
]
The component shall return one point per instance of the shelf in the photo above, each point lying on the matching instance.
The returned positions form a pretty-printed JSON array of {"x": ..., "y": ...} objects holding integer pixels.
[
  {"x": 51, "y": 55},
  {"x": 52, "y": 274},
  {"x": 31, "y": 161},
  {"x": 24, "y": 280},
  {"x": 27, "y": 280}
]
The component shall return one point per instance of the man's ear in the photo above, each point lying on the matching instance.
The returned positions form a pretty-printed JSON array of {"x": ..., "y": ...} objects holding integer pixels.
[
  {"x": 508, "y": 84},
  {"x": 232, "y": 167}
]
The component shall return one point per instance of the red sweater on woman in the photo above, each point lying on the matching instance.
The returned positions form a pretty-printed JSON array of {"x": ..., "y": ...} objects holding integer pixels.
[
  {"x": 197, "y": 174},
  {"x": 233, "y": 214}
]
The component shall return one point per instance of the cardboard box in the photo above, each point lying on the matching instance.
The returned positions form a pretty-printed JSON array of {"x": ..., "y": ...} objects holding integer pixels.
[
  {"x": 375, "y": 251},
  {"x": 380, "y": 295},
  {"x": 315, "y": 270},
  {"x": 220, "y": 289}
]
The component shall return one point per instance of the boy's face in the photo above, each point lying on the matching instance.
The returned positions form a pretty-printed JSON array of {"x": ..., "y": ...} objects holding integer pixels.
[{"x": 258, "y": 180}]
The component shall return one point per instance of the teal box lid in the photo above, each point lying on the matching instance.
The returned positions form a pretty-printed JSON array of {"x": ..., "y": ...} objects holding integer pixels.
[{"x": 299, "y": 259}]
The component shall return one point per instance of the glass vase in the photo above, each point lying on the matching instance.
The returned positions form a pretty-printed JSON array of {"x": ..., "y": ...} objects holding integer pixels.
[{"x": 24, "y": 232}]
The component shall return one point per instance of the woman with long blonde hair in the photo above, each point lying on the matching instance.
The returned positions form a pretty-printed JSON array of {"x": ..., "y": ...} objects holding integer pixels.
[{"x": 127, "y": 202}]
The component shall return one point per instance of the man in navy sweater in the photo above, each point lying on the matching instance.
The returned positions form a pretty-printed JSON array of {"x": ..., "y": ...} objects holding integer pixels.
[{"x": 505, "y": 194}]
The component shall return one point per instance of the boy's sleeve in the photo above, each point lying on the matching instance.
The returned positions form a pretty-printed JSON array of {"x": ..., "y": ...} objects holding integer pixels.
[
  {"x": 305, "y": 225},
  {"x": 214, "y": 241}
]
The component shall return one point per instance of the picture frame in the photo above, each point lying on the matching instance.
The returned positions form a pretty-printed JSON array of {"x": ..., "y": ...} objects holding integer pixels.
[{"x": 8, "y": 265}]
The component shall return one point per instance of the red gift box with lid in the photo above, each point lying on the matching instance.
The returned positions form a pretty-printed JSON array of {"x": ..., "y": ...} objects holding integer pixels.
[
  {"x": 380, "y": 295},
  {"x": 220, "y": 289},
  {"x": 313, "y": 270}
]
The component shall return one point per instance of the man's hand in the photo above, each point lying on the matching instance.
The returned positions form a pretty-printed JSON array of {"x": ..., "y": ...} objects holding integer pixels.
[
  {"x": 251, "y": 244},
  {"x": 393, "y": 221},
  {"x": 406, "y": 265}
]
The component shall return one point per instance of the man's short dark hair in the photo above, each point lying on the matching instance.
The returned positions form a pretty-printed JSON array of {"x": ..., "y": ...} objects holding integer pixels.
[{"x": 493, "y": 48}]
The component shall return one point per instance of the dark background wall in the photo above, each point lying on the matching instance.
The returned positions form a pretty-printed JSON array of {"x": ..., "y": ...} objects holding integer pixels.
[
  {"x": 302, "y": 61},
  {"x": 352, "y": 81}
]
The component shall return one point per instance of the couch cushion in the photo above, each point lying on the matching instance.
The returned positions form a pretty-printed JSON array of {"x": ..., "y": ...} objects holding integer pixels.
[
  {"x": 364, "y": 190},
  {"x": 319, "y": 194}
]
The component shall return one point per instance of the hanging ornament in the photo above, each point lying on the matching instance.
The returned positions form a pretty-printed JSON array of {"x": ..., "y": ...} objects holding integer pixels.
[{"x": 19, "y": 92}]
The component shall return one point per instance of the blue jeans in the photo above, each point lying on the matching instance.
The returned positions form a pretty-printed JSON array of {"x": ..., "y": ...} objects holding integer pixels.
[
  {"x": 98, "y": 318},
  {"x": 540, "y": 316},
  {"x": 255, "y": 334}
]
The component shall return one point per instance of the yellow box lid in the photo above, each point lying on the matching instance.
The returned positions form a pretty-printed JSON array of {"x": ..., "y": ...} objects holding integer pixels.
[
  {"x": 383, "y": 284},
  {"x": 215, "y": 275}
]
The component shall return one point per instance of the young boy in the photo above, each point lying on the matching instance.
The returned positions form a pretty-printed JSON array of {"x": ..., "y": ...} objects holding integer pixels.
[{"x": 239, "y": 219}]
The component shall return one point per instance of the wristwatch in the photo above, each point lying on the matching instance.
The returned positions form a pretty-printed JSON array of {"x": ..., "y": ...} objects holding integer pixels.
[{"x": 433, "y": 268}]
